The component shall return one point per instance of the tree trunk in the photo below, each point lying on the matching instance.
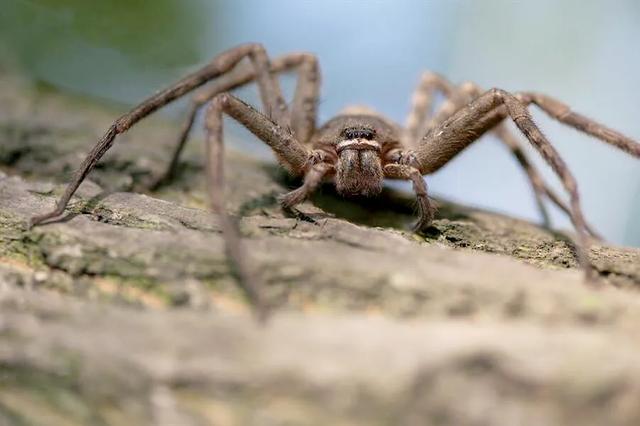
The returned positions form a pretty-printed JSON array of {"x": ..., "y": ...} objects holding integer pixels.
[{"x": 125, "y": 311}]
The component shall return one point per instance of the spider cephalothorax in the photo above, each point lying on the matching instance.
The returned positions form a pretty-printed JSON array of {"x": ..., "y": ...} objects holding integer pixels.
[
  {"x": 359, "y": 165},
  {"x": 357, "y": 149}
]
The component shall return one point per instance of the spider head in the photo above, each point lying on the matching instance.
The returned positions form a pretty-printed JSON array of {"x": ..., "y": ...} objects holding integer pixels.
[{"x": 359, "y": 168}]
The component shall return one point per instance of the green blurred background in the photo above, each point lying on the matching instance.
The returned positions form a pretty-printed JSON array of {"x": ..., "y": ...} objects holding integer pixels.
[{"x": 584, "y": 53}]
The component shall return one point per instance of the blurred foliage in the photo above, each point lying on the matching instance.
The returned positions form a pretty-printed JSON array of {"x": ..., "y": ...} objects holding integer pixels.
[{"x": 160, "y": 33}]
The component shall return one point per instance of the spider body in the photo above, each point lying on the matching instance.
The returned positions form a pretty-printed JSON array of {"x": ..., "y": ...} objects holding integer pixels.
[{"x": 357, "y": 149}]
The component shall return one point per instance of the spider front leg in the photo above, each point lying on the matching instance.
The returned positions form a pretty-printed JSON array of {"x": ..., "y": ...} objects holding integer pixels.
[
  {"x": 422, "y": 119},
  {"x": 561, "y": 112},
  {"x": 221, "y": 64},
  {"x": 312, "y": 179},
  {"x": 469, "y": 91},
  {"x": 426, "y": 209},
  {"x": 303, "y": 108},
  {"x": 471, "y": 122},
  {"x": 422, "y": 105},
  {"x": 292, "y": 155},
  {"x": 540, "y": 187}
]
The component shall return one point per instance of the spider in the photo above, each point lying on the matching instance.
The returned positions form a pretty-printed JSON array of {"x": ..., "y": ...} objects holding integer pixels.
[{"x": 357, "y": 149}]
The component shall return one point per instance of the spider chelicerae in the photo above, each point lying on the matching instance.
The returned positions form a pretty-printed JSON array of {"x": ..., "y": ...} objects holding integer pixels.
[{"x": 357, "y": 149}]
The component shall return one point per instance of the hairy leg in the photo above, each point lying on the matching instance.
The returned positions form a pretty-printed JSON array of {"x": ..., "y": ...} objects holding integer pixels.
[
  {"x": 422, "y": 104},
  {"x": 538, "y": 185},
  {"x": 470, "y": 123},
  {"x": 285, "y": 146},
  {"x": 537, "y": 182},
  {"x": 221, "y": 64},
  {"x": 422, "y": 117},
  {"x": 564, "y": 114},
  {"x": 559, "y": 111},
  {"x": 312, "y": 179},
  {"x": 469, "y": 91},
  {"x": 303, "y": 109},
  {"x": 456, "y": 98},
  {"x": 426, "y": 209}
]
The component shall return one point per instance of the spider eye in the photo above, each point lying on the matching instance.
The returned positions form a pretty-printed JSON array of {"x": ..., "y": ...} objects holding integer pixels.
[{"x": 359, "y": 133}]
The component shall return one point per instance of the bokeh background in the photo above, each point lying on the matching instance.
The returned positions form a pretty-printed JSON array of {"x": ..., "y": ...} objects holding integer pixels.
[{"x": 582, "y": 52}]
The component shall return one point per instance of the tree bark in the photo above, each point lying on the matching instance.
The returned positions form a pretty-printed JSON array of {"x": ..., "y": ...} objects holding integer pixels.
[{"x": 125, "y": 311}]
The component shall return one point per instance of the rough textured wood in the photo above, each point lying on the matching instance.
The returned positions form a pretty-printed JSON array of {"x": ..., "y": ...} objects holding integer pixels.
[{"x": 125, "y": 313}]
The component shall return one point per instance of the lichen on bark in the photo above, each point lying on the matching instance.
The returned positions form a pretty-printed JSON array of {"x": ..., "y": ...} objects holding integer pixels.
[{"x": 125, "y": 312}]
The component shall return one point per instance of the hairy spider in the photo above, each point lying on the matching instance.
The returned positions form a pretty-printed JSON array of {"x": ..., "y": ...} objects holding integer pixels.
[{"x": 358, "y": 149}]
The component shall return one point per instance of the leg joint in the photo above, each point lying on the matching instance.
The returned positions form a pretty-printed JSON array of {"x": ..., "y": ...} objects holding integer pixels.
[
  {"x": 309, "y": 58},
  {"x": 258, "y": 49},
  {"x": 408, "y": 158},
  {"x": 471, "y": 88},
  {"x": 430, "y": 77},
  {"x": 497, "y": 93},
  {"x": 220, "y": 101},
  {"x": 258, "y": 55}
]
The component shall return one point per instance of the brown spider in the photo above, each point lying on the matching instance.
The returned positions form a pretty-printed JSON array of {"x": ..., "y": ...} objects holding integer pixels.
[{"x": 358, "y": 149}]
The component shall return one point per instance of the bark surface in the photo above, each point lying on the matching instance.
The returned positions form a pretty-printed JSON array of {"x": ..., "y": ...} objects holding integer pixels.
[{"x": 125, "y": 312}]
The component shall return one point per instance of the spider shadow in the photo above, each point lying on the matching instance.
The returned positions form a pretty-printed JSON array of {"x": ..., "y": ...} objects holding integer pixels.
[{"x": 392, "y": 208}]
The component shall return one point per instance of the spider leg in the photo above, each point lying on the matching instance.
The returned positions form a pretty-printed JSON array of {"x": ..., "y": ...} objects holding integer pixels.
[
  {"x": 469, "y": 91},
  {"x": 539, "y": 187},
  {"x": 422, "y": 105},
  {"x": 287, "y": 148},
  {"x": 472, "y": 121},
  {"x": 559, "y": 111},
  {"x": 422, "y": 118},
  {"x": 537, "y": 182},
  {"x": 303, "y": 111},
  {"x": 456, "y": 98},
  {"x": 312, "y": 179},
  {"x": 221, "y": 64},
  {"x": 426, "y": 209},
  {"x": 564, "y": 114}
]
